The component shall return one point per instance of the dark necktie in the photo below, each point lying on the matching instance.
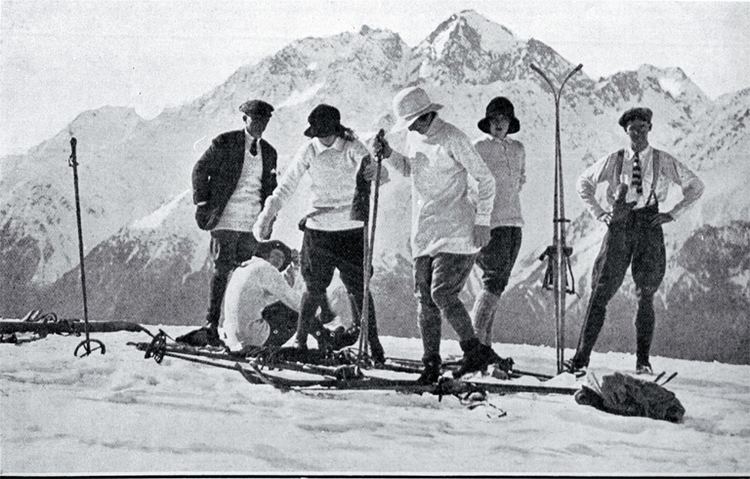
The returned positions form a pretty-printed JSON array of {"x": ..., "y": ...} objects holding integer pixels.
[
  {"x": 254, "y": 147},
  {"x": 637, "y": 180}
]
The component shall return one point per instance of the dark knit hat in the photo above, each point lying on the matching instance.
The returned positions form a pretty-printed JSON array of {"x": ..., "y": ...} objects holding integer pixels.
[
  {"x": 256, "y": 108},
  {"x": 324, "y": 120},
  {"x": 637, "y": 113},
  {"x": 500, "y": 106},
  {"x": 265, "y": 247}
]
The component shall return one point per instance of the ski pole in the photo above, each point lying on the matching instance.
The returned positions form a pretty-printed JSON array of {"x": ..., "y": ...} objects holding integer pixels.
[
  {"x": 369, "y": 240},
  {"x": 73, "y": 163},
  {"x": 559, "y": 220}
]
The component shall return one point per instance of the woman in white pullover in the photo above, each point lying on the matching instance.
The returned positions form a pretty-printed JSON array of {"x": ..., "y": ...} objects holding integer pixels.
[{"x": 336, "y": 162}]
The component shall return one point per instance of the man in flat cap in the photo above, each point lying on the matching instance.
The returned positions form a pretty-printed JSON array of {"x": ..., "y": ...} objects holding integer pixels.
[
  {"x": 638, "y": 179},
  {"x": 231, "y": 182}
]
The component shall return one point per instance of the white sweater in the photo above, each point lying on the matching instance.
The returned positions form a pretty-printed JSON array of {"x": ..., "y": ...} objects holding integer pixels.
[
  {"x": 445, "y": 207},
  {"x": 243, "y": 206},
  {"x": 506, "y": 159},
  {"x": 333, "y": 171}
]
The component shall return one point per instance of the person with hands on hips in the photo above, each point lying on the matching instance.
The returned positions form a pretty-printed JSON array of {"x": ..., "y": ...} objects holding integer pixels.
[{"x": 638, "y": 179}]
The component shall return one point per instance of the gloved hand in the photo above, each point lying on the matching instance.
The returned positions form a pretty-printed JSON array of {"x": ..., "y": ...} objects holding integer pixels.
[{"x": 380, "y": 145}]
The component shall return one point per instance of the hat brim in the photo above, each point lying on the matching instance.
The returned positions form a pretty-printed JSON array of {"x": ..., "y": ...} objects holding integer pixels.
[
  {"x": 406, "y": 121},
  {"x": 514, "y": 127},
  {"x": 265, "y": 247},
  {"x": 312, "y": 132}
]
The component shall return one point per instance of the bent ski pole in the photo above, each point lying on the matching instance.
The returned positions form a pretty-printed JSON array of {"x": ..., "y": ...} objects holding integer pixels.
[
  {"x": 561, "y": 260},
  {"x": 369, "y": 240},
  {"x": 73, "y": 163}
]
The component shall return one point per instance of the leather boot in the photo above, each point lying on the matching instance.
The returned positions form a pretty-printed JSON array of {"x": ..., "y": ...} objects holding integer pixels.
[
  {"x": 431, "y": 372},
  {"x": 475, "y": 358}
]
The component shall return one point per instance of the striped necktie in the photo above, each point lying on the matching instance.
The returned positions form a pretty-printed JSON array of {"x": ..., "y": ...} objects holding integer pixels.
[
  {"x": 254, "y": 147},
  {"x": 637, "y": 179}
]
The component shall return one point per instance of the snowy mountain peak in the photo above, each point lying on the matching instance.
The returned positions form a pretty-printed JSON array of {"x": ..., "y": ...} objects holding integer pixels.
[
  {"x": 673, "y": 80},
  {"x": 463, "y": 48},
  {"x": 469, "y": 29}
]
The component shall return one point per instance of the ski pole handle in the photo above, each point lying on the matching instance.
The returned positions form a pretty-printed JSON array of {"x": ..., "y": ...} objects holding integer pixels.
[
  {"x": 378, "y": 137},
  {"x": 72, "y": 161}
]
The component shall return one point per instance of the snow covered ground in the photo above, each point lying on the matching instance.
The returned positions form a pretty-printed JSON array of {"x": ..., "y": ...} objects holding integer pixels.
[{"x": 121, "y": 413}]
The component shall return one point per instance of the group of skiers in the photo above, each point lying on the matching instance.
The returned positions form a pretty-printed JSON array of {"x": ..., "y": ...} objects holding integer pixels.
[{"x": 465, "y": 211}]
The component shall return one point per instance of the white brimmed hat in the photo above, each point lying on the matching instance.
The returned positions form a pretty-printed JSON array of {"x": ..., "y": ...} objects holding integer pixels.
[{"x": 409, "y": 104}]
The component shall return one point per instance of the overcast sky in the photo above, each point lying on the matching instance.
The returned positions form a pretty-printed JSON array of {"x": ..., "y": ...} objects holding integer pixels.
[{"x": 62, "y": 57}]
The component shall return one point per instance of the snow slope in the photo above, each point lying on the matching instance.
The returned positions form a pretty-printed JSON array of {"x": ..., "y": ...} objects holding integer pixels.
[{"x": 120, "y": 413}]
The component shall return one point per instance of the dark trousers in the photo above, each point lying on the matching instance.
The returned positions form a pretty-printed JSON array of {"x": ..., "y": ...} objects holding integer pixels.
[
  {"x": 229, "y": 249},
  {"x": 322, "y": 253},
  {"x": 497, "y": 258},
  {"x": 630, "y": 241},
  {"x": 438, "y": 280}
]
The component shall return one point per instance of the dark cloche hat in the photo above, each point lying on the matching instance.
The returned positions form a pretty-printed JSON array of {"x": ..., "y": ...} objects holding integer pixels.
[
  {"x": 265, "y": 247},
  {"x": 253, "y": 108},
  {"x": 324, "y": 120},
  {"x": 637, "y": 113},
  {"x": 500, "y": 106}
]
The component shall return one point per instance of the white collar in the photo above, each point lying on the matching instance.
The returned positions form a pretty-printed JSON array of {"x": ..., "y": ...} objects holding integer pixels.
[
  {"x": 249, "y": 138},
  {"x": 642, "y": 154},
  {"x": 338, "y": 145}
]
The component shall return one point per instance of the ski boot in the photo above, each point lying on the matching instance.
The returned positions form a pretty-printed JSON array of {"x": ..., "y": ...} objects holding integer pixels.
[
  {"x": 476, "y": 357},
  {"x": 431, "y": 372}
]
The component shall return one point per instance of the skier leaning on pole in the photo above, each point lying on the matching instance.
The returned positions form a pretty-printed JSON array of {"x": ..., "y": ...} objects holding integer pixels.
[
  {"x": 337, "y": 162},
  {"x": 447, "y": 228}
]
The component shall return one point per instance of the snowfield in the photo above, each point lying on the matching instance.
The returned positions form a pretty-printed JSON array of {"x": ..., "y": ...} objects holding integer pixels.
[{"x": 121, "y": 413}]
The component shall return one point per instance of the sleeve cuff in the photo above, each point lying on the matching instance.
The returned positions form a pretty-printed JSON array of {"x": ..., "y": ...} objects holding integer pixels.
[{"x": 482, "y": 220}]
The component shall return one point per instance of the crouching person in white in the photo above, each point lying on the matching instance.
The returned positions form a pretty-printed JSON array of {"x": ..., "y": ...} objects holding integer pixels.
[{"x": 250, "y": 318}]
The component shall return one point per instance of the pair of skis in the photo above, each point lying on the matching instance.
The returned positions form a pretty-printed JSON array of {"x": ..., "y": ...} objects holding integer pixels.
[
  {"x": 340, "y": 376},
  {"x": 558, "y": 253}
]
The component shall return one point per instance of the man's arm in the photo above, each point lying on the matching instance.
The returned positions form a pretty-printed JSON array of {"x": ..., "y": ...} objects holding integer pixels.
[
  {"x": 201, "y": 173},
  {"x": 692, "y": 186},
  {"x": 275, "y": 284},
  {"x": 587, "y": 182},
  {"x": 463, "y": 152},
  {"x": 396, "y": 159}
]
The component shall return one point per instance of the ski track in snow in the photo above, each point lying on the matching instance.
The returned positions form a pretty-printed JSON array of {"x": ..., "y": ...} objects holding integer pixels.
[{"x": 119, "y": 413}]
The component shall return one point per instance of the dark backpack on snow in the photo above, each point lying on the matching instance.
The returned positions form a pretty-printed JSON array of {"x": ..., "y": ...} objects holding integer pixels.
[{"x": 628, "y": 396}]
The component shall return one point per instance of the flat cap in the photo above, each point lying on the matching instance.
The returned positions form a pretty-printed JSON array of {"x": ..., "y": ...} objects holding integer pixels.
[
  {"x": 637, "y": 113},
  {"x": 256, "y": 108}
]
